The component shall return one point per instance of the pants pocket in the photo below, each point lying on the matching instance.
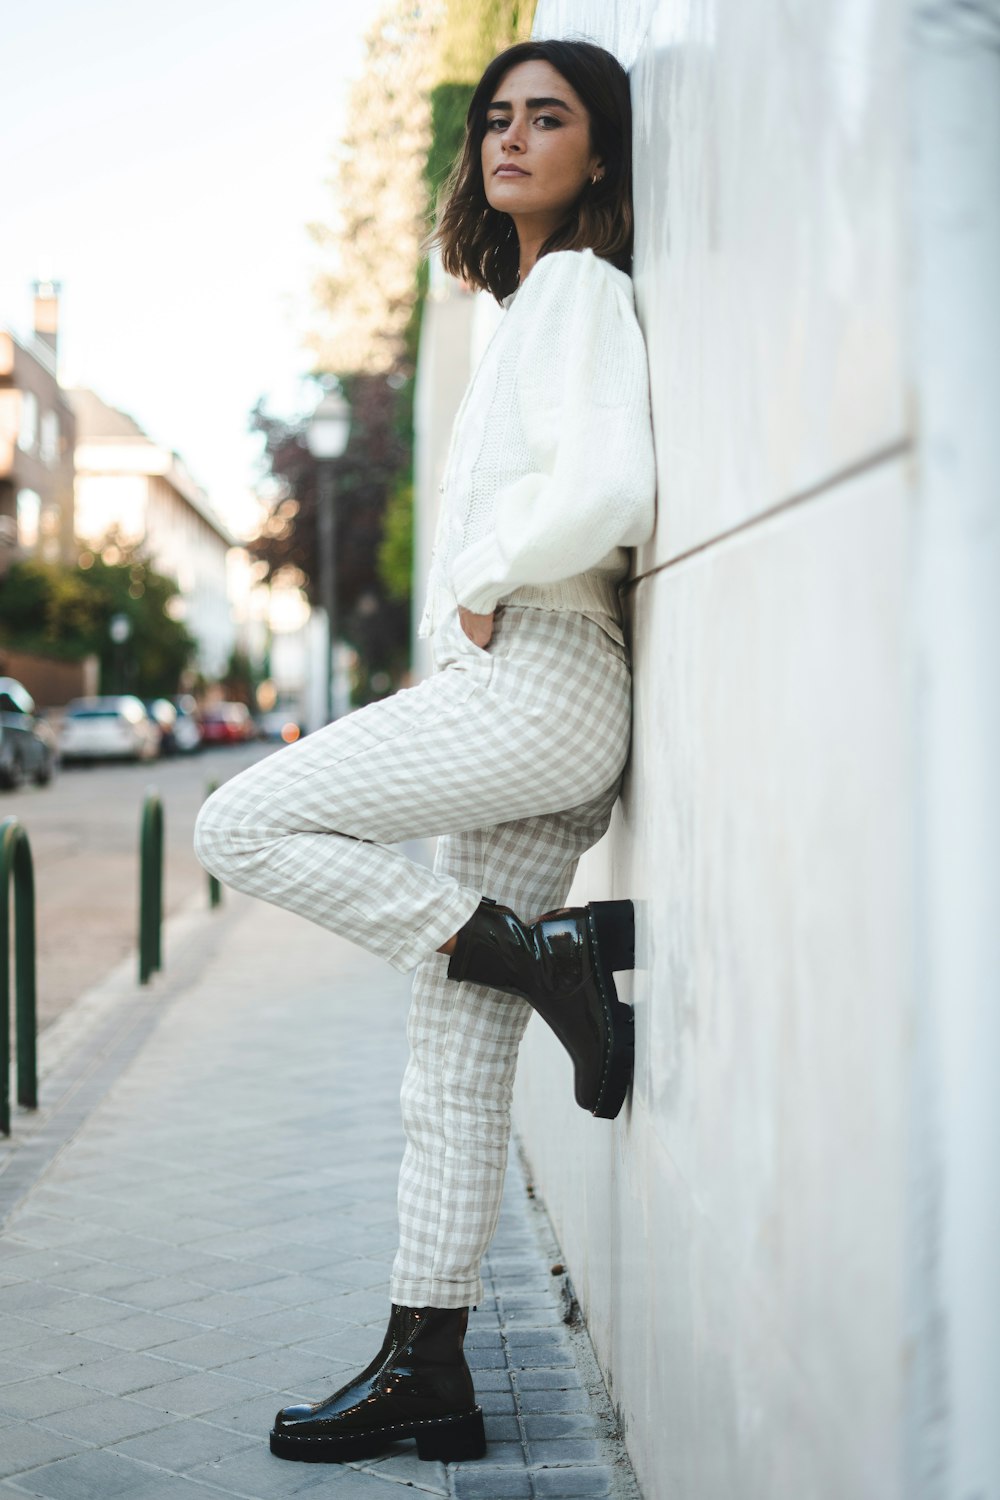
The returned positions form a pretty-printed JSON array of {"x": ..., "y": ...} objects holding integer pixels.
[{"x": 451, "y": 648}]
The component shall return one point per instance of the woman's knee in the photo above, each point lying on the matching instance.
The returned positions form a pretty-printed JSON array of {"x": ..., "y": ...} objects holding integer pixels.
[{"x": 213, "y": 834}]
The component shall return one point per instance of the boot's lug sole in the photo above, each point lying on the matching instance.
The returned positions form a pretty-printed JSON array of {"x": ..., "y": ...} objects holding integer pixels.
[
  {"x": 620, "y": 1066},
  {"x": 612, "y": 934},
  {"x": 448, "y": 1440}
]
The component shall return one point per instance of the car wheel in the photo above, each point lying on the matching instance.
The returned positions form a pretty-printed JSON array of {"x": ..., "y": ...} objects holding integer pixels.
[
  {"x": 44, "y": 773},
  {"x": 11, "y": 772}
]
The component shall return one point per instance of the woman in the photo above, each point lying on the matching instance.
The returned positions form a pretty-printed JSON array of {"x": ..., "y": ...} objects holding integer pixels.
[{"x": 512, "y": 752}]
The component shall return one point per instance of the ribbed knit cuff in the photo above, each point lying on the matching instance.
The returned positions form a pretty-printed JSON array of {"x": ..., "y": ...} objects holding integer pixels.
[{"x": 475, "y": 573}]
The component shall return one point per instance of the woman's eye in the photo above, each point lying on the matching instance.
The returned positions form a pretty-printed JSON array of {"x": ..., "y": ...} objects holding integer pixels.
[{"x": 549, "y": 122}]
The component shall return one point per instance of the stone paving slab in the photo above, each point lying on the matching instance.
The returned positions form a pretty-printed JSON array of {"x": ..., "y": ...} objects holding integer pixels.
[{"x": 202, "y": 1230}]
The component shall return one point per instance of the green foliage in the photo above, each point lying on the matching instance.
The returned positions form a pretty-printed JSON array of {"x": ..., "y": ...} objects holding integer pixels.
[
  {"x": 48, "y": 609},
  {"x": 395, "y": 553},
  {"x": 411, "y": 334},
  {"x": 449, "y": 107},
  {"x": 240, "y": 679},
  {"x": 66, "y": 613},
  {"x": 472, "y": 34}
]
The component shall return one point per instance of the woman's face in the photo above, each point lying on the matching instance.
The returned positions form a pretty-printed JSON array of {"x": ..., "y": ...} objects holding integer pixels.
[{"x": 536, "y": 153}]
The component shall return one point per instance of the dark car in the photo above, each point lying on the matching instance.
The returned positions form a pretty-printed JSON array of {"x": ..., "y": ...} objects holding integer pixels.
[{"x": 27, "y": 744}]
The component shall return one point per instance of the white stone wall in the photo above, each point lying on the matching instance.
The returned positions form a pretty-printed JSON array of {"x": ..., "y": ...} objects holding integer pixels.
[
  {"x": 786, "y": 1248},
  {"x": 186, "y": 547}
]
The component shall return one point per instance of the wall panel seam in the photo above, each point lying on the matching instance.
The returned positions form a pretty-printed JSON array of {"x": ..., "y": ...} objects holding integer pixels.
[{"x": 890, "y": 454}]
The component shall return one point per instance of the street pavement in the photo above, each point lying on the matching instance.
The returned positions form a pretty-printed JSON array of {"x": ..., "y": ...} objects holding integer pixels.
[
  {"x": 198, "y": 1226},
  {"x": 84, "y": 832}
]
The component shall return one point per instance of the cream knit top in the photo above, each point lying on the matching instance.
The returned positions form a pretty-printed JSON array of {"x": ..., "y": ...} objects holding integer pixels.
[{"x": 550, "y": 474}]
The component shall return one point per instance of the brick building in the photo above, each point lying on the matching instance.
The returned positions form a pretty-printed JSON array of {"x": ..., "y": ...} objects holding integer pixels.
[{"x": 37, "y": 441}]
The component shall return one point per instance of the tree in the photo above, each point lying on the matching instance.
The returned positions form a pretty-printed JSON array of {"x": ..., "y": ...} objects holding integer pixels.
[
  {"x": 66, "y": 613},
  {"x": 240, "y": 681},
  {"x": 371, "y": 617},
  {"x": 395, "y": 553},
  {"x": 366, "y": 291}
]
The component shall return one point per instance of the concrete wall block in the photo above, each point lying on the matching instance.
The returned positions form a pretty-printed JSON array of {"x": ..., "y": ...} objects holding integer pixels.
[{"x": 736, "y": 1236}]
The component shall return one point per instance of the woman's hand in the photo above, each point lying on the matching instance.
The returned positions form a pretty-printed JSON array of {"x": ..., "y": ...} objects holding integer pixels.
[{"x": 479, "y": 628}]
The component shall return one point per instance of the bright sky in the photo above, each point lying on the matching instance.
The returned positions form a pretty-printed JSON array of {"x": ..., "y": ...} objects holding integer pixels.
[{"x": 162, "y": 163}]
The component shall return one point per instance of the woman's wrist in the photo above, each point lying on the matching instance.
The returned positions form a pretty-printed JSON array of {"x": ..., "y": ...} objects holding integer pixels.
[{"x": 474, "y": 576}]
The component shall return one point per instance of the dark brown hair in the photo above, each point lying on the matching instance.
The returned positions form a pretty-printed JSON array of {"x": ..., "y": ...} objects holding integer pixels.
[{"x": 479, "y": 243}]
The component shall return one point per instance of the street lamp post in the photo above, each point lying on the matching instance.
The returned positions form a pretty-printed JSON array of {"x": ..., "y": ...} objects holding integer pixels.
[
  {"x": 326, "y": 436},
  {"x": 120, "y": 630}
]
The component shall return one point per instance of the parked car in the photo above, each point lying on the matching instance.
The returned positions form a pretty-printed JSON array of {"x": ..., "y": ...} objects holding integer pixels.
[
  {"x": 163, "y": 715},
  {"x": 279, "y": 724},
  {"x": 187, "y": 730},
  {"x": 116, "y": 728},
  {"x": 27, "y": 744},
  {"x": 227, "y": 724}
]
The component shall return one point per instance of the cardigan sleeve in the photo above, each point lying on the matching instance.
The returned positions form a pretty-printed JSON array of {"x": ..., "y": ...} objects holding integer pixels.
[{"x": 583, "y": 398}]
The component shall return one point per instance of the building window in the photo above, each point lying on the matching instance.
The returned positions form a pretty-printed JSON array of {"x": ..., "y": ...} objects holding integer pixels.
[
  {"x": 48, "y": 448},
  {"x": 27, "y": 435},
  {"x": 29, "y": 509}
]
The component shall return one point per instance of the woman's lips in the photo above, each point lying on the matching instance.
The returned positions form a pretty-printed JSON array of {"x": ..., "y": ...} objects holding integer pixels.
[{"x": 509, "y": 171}]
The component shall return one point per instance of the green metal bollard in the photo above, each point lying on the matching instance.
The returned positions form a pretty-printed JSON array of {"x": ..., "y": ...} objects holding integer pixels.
[
  {"x": 150, "y": 887},
  {"x": 15, "y": 863},
  {"x": 214, "y": 886}
]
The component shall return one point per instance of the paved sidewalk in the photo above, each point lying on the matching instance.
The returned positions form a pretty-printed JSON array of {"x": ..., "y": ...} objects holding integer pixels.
[{"x": 200, "y": 1226}]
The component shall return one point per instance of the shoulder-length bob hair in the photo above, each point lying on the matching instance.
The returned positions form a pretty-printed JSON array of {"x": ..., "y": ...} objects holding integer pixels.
[{"x": 479, "y": 243}]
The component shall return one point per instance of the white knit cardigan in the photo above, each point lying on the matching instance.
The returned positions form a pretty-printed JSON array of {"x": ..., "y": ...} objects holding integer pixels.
[{"x": 550, "y": 474}]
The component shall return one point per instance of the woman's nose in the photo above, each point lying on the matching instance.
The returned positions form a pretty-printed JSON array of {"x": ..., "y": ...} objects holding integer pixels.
[{"x": 513, "y": 137}]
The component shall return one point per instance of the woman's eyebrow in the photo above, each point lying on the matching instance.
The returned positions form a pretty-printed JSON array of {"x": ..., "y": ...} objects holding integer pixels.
[{"x": 533, "y": 104}]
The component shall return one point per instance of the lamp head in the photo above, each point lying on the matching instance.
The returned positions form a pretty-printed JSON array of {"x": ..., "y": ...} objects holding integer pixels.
[{"x": 329, "y": 426}]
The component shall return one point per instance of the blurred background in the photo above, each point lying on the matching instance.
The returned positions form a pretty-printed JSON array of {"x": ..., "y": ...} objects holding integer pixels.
[{"x": 211, "y": 220}]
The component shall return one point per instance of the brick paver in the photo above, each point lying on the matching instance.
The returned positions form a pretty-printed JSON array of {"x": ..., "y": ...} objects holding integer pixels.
[{"x": 200, "y": 1224}]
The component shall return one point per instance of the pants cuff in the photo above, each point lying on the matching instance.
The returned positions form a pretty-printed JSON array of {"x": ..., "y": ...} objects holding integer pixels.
[
  {"x": 420, "y": 945},
  {"x": 428, "y": 1292}
]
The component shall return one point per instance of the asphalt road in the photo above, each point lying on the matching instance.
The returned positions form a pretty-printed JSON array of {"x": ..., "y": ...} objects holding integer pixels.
[{"x": 84, "y": 832}]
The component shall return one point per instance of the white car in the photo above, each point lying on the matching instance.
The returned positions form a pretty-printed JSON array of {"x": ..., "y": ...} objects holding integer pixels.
[{"x": 116, "y": 728}]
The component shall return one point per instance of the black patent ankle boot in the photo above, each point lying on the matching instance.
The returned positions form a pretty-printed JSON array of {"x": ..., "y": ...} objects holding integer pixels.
[
  {"x": 563, "y": 965},
  {"x": 417, "y": 1386}
]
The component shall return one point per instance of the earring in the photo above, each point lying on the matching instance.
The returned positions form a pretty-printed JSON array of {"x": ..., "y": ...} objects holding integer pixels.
[{"x": 595, "y": 179}]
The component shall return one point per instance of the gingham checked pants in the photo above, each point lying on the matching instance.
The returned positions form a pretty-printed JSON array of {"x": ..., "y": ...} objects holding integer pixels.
[{"x": 512, "y": 756}]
